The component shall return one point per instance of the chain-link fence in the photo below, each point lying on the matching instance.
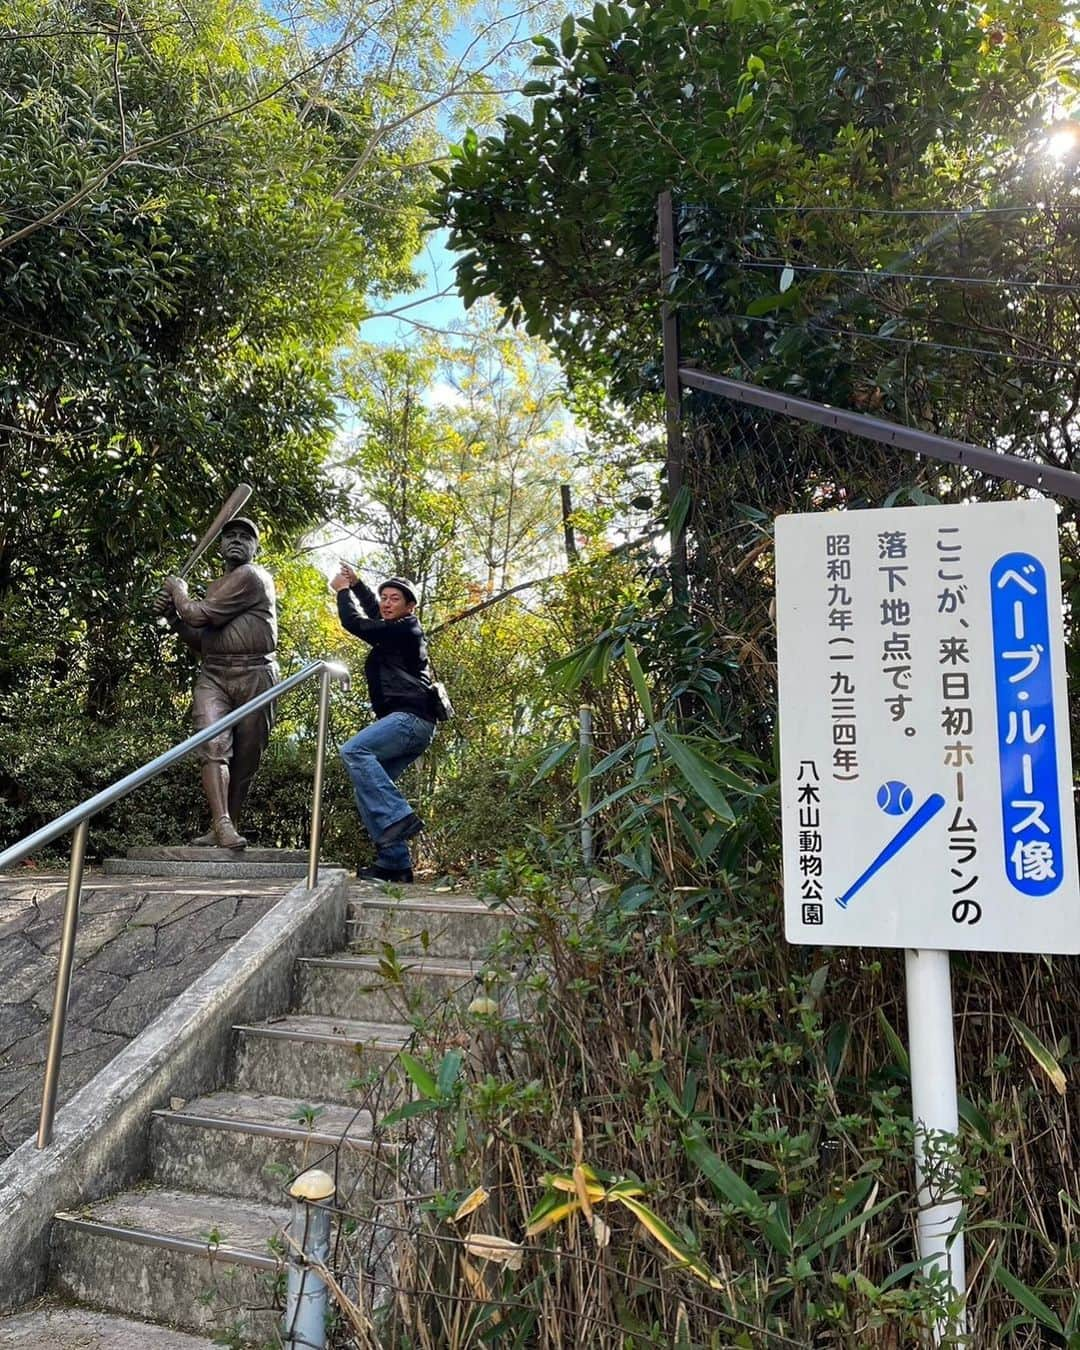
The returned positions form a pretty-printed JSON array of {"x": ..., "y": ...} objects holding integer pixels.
[{"x": 746, "y": 464}]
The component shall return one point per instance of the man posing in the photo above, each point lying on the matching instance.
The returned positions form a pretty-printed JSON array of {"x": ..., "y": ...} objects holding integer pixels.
[
  {"x": 399, "y": 684},
  {"x": 234, "y": 630}
]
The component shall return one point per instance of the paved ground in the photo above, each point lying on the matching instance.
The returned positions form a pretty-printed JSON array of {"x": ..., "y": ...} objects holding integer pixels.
[{"x": 141, "y": 941}]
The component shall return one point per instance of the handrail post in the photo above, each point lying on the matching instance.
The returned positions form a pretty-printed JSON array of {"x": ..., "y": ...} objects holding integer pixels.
[
  {"x": 317, "y": 783},
  {"x": 63, "y": 983},
  {"x": 306, "y": 1296}
]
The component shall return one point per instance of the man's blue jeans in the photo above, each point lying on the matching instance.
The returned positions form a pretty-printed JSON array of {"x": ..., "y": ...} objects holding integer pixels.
[{"x": 376, "y": 758}]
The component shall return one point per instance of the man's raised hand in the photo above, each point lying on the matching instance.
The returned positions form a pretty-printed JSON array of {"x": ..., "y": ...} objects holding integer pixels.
[{"x": 345, "y": 578}]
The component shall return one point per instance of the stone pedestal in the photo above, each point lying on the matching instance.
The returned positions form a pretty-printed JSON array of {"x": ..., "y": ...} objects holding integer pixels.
[{"x": 246, "y": 864}]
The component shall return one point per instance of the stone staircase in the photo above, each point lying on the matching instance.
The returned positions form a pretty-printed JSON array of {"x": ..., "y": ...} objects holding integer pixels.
[{"x": 197, "y": 1245}]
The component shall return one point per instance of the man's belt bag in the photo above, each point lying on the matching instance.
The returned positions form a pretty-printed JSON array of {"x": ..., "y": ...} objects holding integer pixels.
[{"x": 438, "y": 699}]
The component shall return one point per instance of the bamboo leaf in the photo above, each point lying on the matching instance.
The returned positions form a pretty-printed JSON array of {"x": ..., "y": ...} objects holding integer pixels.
[
  {"x": 1028, "y": 1299},
  {"x": 974, "y": 1119},
  {"x": 814, "y": 1250},
  {"x": 551, "y": 1218},
  {"x": 680, "y": 511},
  {"x": 669, "y": 1240},
  {"x": 471, "y": 1202},
  {"x": 624, "y": 1188},
  {"x": 581, "y": 1189},
  {"x": 1043, "y": 1057},
  {"x": 731, "y": 1187},
  {"x": 637, "y": 678},
  {"x": 829, "y": 1213},
  {"x": 895, "y": 1044},
  {"x": 491, "y": 1247},
  {"x": 609, "y": 761},
  {"x": 448, "y": 1072},
  {"x": 697, "y": 772},
  {"x": 552, "y": 760},
  {"x": 423, "y": 1107}
]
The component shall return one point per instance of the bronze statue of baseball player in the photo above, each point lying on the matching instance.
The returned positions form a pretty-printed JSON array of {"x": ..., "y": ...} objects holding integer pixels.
[{"x": 234, "y": 630}]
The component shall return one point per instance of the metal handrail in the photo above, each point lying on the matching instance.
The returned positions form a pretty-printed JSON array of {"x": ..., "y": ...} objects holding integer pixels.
[{"x": 78, "y": 821}]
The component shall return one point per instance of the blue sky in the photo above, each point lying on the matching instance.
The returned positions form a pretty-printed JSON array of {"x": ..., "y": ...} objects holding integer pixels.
[
  {"x": 516, "y": 25},
  {"x": 425, "y": 304}
]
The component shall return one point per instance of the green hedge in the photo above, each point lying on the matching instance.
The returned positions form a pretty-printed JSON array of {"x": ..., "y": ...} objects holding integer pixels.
[{"x": 46, "y": 772}]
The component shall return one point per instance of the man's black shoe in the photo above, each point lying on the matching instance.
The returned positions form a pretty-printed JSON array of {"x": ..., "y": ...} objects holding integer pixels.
[
  {"x": 400, "y": 830},
  {"x": 384, "y": 874}
]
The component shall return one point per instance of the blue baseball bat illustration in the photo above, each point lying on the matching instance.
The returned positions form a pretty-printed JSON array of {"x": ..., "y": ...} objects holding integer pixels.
[{"x": 904, "y": 835}]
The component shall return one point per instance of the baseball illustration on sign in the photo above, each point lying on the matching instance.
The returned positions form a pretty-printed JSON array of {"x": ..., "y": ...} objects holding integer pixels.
[{"x": 926, "y": 785}]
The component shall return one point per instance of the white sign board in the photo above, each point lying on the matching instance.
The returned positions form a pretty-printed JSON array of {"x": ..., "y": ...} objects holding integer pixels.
[{"x": 926, "y": 773}]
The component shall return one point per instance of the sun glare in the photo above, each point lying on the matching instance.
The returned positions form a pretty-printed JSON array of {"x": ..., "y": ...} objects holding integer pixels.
[{"x": 1063, "y": 140}]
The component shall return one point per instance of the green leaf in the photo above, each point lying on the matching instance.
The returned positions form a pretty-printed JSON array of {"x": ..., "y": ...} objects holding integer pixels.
[
  {"x": 765, "y": 304},
  {"x": 680, "y": 510},
  {"x": 448, "y": 1072},
  {"x": 697, "y": 773},
  {"x": 424, "y": 1107},
  {"x": 422, "y": 1079},
  {"x": 666, "y": 1236},
  {"x": 857, "y": 1221},
  {"x": 553, "y": 759},
  {"x": 731, "y": 1187},
  {"x": 1028, "y": 1299},
  {"x": 974, "y": 1119},
  {"x": 637, "y": 678},
  {"x": 893, "y": 1041}
]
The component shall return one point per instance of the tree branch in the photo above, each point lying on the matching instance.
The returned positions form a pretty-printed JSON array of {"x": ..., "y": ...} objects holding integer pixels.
[
  {"x": 491, "y": 600},
  {"x": 116, "y": 77},
  {"x": 88, "y": 189}
]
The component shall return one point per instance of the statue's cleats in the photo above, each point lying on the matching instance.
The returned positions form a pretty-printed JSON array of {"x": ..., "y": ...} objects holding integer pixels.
[
  {"x": 207, "y": 840},
  {"x": 227, "y": 834}
]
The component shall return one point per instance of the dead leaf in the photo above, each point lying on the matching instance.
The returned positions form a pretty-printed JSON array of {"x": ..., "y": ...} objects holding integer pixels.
[
  {"x": 472, "y": 1201},
  {"x": 489, "y": 1247}
]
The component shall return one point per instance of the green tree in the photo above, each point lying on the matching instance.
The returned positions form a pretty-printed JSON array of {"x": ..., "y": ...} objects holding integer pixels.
[
  {"x": 508, "y": 457},
  {"x": 453, "y": 474},
  {"x": 822, "y": 159},
  {"x": 401, "y": 506},
  {"x": 194, "y": 203}
]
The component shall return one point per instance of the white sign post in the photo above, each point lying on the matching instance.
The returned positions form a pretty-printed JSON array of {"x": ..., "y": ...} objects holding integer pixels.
[{"x": 926, "y": 775}]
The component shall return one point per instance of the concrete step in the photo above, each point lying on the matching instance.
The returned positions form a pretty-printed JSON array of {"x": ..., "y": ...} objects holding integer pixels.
[
  {"x": 318, "y": 1058},
  {"x": 253, "y": 1145},
  {"x": 201, "y": 1262},
  {"x": 54, "y": 1326},
  {"x": 424, "y": 925},
  {"x": 375, "y": 990},
  {"x": 361, "y": 892}
]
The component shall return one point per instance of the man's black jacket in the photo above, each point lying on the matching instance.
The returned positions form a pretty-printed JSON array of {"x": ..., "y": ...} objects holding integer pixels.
[{"x": 397, "y": 670}]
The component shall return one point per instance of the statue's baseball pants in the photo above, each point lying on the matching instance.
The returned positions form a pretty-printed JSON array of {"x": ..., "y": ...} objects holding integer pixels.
[{"x": 223, "y": 685}]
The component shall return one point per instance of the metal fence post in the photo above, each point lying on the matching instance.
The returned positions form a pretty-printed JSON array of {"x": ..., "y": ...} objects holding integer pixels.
[
  {"x": 676, "y": 460},
  {"x": 305, "y": 1307},
  {"x": 63, "y": 984}
]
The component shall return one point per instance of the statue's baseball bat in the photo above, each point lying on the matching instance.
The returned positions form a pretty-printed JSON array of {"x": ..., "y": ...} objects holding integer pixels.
[{"x": 231, "y": 508}]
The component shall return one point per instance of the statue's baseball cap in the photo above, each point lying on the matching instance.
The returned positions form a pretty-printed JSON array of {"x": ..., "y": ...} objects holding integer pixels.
[
  {"x": 245, "y": 523},
  {"x": 403, "y": 584}
]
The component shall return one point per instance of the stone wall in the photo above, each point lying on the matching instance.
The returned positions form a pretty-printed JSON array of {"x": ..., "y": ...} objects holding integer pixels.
[{"x": 141, "y": 942}]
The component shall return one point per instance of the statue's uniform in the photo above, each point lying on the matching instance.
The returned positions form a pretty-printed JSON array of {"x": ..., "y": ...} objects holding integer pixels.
[{"x": 234, "y": 629}]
